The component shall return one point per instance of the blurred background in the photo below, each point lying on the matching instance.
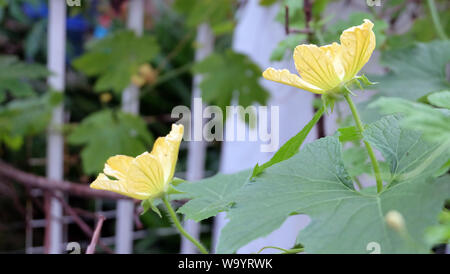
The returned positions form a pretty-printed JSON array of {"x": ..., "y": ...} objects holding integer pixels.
[{"x": 81, "y": 81}]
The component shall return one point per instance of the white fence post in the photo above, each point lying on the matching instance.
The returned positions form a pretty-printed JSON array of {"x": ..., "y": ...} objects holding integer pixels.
[
  {"x": 130, "y": 104},
  {"x": 55, "y": 142}
]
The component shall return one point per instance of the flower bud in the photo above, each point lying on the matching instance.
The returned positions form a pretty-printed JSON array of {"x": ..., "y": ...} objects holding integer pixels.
[{"x": 395, "y": 220}]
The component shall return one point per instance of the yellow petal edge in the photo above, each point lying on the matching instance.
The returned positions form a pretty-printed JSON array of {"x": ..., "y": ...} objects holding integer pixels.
[{"x": 287, "y": 78}]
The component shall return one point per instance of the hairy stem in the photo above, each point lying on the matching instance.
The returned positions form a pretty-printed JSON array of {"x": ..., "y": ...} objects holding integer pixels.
[
  {"x": 359, "y": 124},
  {"x": 180, "y": 228}
]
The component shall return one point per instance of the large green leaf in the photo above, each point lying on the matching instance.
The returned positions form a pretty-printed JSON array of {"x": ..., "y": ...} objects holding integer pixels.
[
  {"x": 212, "y": 195},
  {"x": 415, "y": 71},
  {"x": 116, "y": 58},
  {"x": 433, "y": 122},
  {"x": 315, "y": 174},
  {"x": 349, "y": 224},
  {"x": 315, "y": 182},
  {"x": 107, "y": 133},
  {"x": 356, "y": 161},
  {"x": 440, "y": 99},
  {"x": 343, "y": 220}
]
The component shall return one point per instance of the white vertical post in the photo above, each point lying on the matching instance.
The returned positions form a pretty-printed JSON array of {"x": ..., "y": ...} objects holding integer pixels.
[
  {"x": 197, "y": 149},
  {"x": 55, "y": 143},
  {"x": 130, "y": 104}
]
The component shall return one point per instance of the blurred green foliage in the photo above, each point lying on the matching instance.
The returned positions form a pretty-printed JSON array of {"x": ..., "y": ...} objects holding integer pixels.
[
  {"x": 116, "y": 58},
  {"x": 230, "y": 76},
  {"x": 15, "y": 76},
  {"x": 26, "y": 117},
  {"x": 434, "y": 123},
  {"x": 297, "y": 21},
  {"x": 440, "y": 234},
  {"x": 217, "y": 13},
  {"x": 415, "y": 71},
  {"x": 106, "y": 133}
]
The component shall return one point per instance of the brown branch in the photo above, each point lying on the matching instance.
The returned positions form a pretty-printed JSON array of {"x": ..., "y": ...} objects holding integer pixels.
[
  {"x": 40, "y": 204},
  {"x": 91, "y": 248},
  {"x": 82, "y": 224},
  {"x": 302, "y": 31},
  {"x": 287, "y": 28},
  {"x": 43, "y": 183},
  {"x": 307, "y": 7},
  {"x": 47, "y": 222},
  {"x": 7, "y": 189},
  {"x": 286, "y": 20},
  {"x": 137, "y": 220}
]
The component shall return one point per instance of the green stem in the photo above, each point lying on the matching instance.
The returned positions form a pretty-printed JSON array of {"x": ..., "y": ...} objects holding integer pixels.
[
  {"x": 293, "y": 251},
  {"x": 180, "y": 228},
  {"x": 358, "y": 182},
  {"x": 359, "y": 124},
  {"x": 436, "y": 21},
  {"x": 285, "y": 251}
]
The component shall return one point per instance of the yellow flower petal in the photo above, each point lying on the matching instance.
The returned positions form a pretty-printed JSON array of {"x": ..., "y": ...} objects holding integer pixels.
[
  {"x": 117, "y": 166},
  {"x": 287, "y": 78},
  {"x": 119, "y": 186},
  {"x": 316, "y": 66},
  {"x": 358, "y": 44},
  {"x": 334, "y": 51},
  {"x": 145, "y": 176},
  {"x": 166, "y": 149}
]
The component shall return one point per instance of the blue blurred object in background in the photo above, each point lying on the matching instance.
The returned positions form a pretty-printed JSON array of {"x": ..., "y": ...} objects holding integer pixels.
[
  {"x": 100, "y": 32},
  {"x": 76, "y": 26},
  {"x": 77, "y": 23},
  {"x": 35, "y": 11}
]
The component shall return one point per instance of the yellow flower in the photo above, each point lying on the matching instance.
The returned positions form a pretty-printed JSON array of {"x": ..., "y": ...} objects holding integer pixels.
[
  {"x": 147, "y": 176},
  {"x": 327, "y": 68}
]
